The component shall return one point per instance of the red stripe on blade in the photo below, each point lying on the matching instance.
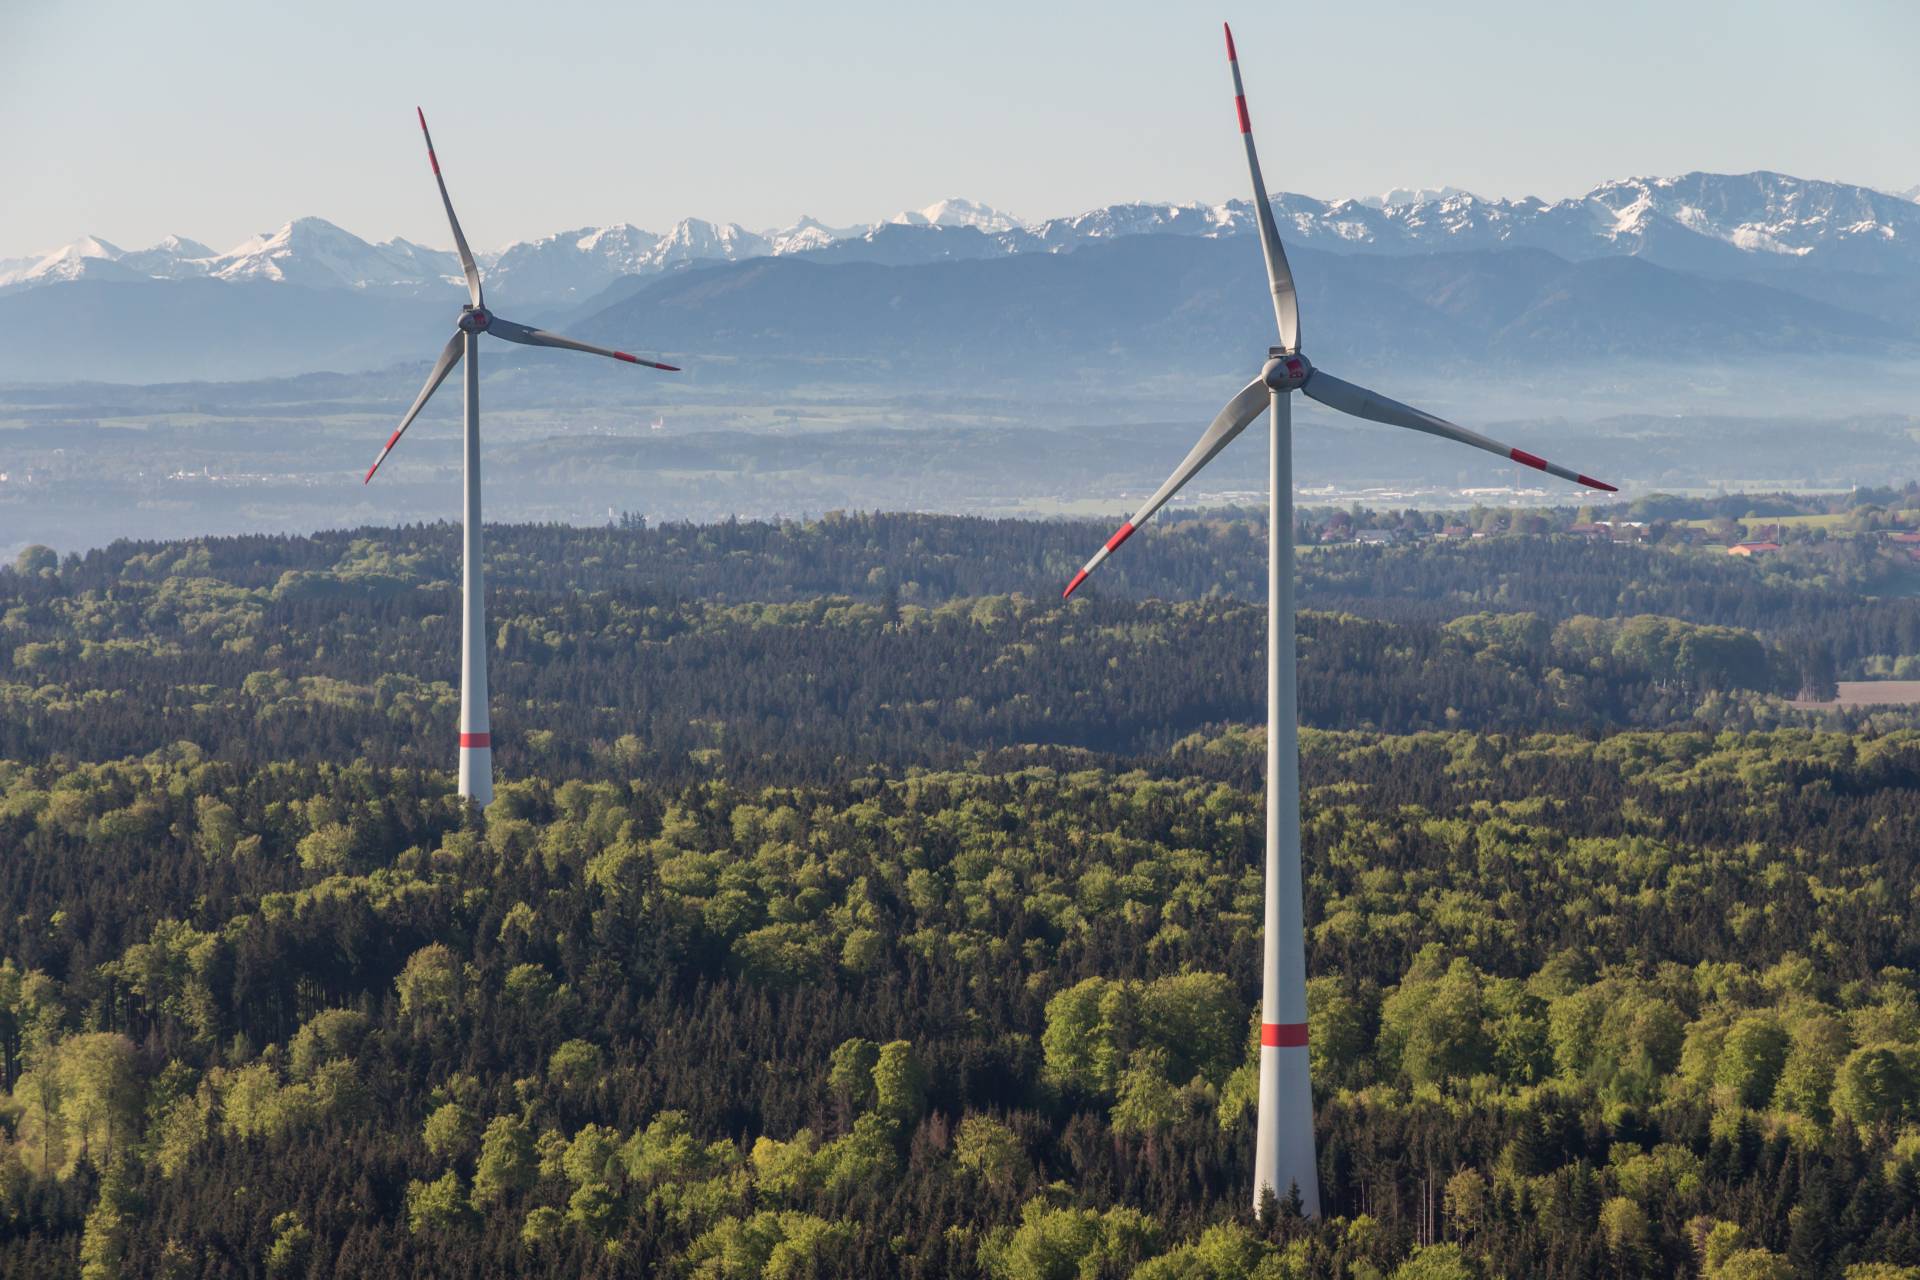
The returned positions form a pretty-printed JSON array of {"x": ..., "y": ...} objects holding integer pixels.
[
  {"x": 1283, "y": 1035},
  {"x": 476, "y": 740},
  {"x": 1078, "y": 578},
  {"x": 1124, "y": 532},
  {"x": 1591, "y": 483},
  {"x": 1240, "y": 105},
  {"x": 1528, "y": 459}
]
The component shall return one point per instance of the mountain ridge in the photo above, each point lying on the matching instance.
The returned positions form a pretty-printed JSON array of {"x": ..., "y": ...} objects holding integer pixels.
[
  {"x": 1720, "y": 223},
  {"x": 1132, "y": 312}
]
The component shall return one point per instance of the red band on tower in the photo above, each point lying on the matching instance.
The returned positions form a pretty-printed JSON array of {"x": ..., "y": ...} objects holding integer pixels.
[
  {"x": 1283, "y": 1035},
  {"x": 476, "y": 740}
]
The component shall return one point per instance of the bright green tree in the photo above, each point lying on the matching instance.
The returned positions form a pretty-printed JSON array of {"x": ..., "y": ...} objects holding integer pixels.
[
  {"x": 440, "y": 1205},
  {"x": 899, "y": 1083},
  {"x": 507, "y": 1164},
  {"x": 448, "y": 1131},
  {"x": 1751, "y": 1059},
  {"x": 1873, "y": 1086},
  {"x": 429, "y": 983},
  {"x": 990, "y": 1151}
]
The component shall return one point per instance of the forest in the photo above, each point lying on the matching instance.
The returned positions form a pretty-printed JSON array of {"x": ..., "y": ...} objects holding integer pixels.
[{"x": 850, "y": 905}]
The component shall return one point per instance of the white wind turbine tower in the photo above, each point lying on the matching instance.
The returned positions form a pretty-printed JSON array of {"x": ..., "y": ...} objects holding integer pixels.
[
  {"x": 1284, "y": 1151},
  {"x": 476, "y": 740}
]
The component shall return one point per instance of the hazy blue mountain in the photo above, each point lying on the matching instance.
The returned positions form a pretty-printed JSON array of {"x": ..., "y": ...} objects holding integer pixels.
[
  {"x": 177, "y": 330},
  {"x": 1147, "y": 305},
  {"x": 1703, "y": 267},
  {"x": 1134, "y": 309}
]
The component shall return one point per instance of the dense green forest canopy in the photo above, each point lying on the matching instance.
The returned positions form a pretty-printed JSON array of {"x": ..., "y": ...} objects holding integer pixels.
[
  {"x": 783, "y": 652},
  {"x": 850, "y": 906}
]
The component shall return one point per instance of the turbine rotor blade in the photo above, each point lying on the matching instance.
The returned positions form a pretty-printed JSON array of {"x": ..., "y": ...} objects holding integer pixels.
[
  {"x": 1286, "y": 304},
  {"x": 1362, "y": 403},
  {"x": 1228, "y": 423},
  {"x": 541, "y": 338},
  {"x": 460, "y": 241},
  {"x": 449, "y": 357}
]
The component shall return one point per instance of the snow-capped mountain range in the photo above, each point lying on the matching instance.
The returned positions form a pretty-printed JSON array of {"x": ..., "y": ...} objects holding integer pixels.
[{"x": 1698, "y": 221}]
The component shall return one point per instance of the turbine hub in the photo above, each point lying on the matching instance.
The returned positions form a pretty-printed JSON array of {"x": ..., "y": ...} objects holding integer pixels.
[
  {"x": 1285, "y": 370},
  {"x": 474, "y": 319}
]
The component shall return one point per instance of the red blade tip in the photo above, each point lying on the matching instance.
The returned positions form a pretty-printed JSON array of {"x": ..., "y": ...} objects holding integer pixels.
[
  {"x": 1078, "y": 578},
  {"x": 423, "y": 119},
  {"x": 1231, "y": 55},
  {"x": 1591, "y": 483}
]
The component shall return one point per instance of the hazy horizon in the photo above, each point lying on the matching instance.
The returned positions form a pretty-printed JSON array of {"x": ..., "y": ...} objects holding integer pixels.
[{"x": 649, "y": 117}]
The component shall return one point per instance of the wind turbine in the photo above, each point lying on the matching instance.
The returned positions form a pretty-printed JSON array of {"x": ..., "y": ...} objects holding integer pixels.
[
  {"x": 1283, "y": 1152},
  {"x": 476, "y": 740}
]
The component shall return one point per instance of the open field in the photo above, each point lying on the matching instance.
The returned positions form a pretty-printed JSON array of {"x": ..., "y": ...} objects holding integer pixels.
[
  {"x": 1833, "y": 522},
  {"x": 1870, "y": 693}
]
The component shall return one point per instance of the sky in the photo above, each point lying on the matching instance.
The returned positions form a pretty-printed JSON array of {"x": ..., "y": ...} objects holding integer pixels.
[{"x": 217, "y": 120}]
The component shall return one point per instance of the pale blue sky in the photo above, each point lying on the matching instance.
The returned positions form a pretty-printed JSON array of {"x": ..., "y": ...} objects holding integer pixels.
[{"x": 132, "y": 120}]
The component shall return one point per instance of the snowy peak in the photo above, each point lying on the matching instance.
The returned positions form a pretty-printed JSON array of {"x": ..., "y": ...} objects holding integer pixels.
[
  {"x": 316, "y": 253},
  {"x": 1410, "y": 195},
  {"x": 86, "y": 247},
  {"x": 956, "y": 212},
  {"x": 1696, "y": 221},
  {"x": 697, "y": 240},
  {"x": 173, "y": 258},
  {"x": 571, "y": 264},
  {"x": 1770, "y": 213},
  {"x": 807, "y": 235},
  {"x": 1145, "y": 219},
  {"x": 89, "y": 257}
]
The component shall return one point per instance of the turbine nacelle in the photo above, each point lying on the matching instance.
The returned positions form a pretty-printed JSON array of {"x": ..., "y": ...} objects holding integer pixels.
[
  {"x": 1283, "y": 1145},
  {"x": 475, "y": 319},
  {"x": 1285, "y": 370}
]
